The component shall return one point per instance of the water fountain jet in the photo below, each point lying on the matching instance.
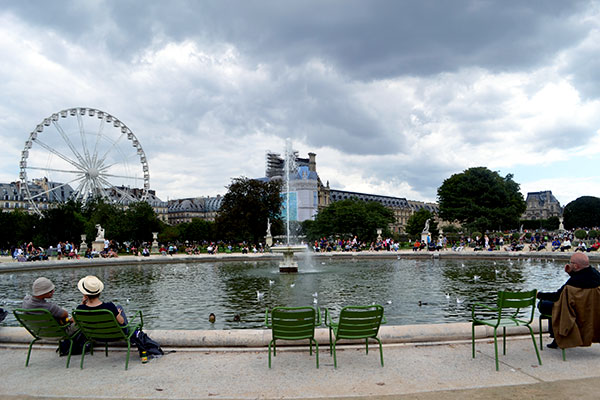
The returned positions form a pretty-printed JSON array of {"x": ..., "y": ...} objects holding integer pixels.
[{"x": 288, "y": 264}]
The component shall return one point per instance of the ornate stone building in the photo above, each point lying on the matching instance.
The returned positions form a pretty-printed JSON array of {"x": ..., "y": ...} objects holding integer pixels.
[
  {"x": 184, "y": 210},
  {"x": 48, "y": 194},
  {"x": 542, "y": 205}
]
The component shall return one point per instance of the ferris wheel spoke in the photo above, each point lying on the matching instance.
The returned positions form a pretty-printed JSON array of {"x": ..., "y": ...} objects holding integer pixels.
[
  {"x": 116, "y": 189},
  {"x": 120, "y": 176},
  {"x": 98, "y": 136},
  {"x": 79, "y": 190},
  {"x": 114, "y": 145},
  {"x": 68, "y": 142},
  {"x": 99, "y": 185},
  {"x": 56, "y": 187},
  {"x": 57, "y": 153},
  {"x": 55, "y": 170},
  {"x": 83, "y": 140}
]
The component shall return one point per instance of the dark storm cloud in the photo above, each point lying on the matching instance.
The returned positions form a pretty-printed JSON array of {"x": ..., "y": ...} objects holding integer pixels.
[{"x": 364, "y": 40}]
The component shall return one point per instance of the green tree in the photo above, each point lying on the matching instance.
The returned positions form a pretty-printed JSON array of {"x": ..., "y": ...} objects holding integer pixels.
[
  {"x": 583, "y": 212},
  {"x": 351, "y": 217},
  {"x": 416, "y": 223},
  {"x": 481, "y": 199},
  {"x": 109, "y": 216},
  {"x": 141, "y": 221},
  {"x": 19, "y": 227},
  {"x": 197, "y": 230},
  {"x": 245, "y": 209},
  {"x": 63, "y": 223}
]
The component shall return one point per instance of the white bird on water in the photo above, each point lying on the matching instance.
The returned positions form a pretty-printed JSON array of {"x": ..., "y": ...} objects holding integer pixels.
[
  {"x": 448, "y": 296},
  {"x": 271, "y": 282},
  {"x": 458, "y": 301},
  {"x": 292, "y": 284},
  {"x": 315, "y": 300},
  {"x": 389, "y": 302},
  {"x": 259, "y": 295},
  {"x": 315, "y": 294},
  {"x": 496, "y": 271},
  {"x": 475, "y": 277}
]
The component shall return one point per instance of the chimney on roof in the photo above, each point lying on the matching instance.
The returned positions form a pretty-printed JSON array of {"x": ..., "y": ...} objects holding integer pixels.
[{"x": 312, "y": 162}]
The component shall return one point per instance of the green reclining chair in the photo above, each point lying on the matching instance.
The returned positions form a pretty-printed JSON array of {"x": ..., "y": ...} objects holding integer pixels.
[
  {"x": 42, "y": 325},
  {"x": 509, "y": 308},
  {"x": 293, "y": 323},
  {"x": 101, "y": 326},
  {"x": 356, "y": 322}
]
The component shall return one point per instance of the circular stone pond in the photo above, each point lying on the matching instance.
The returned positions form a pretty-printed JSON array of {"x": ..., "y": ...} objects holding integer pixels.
[{"x": 181, "y": 296}]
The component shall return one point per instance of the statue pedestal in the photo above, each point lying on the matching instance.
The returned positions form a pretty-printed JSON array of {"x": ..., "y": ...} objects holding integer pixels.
[
  {"x": 98, "y": 245},
  {"x": 154, "y": 247},
  {"x": 269, "y": 240},
  {"x": 83, "y": 246}
]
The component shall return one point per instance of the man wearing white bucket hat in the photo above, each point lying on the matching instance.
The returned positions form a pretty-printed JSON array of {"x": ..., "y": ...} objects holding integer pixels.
[{"x": 91, "y": 287}]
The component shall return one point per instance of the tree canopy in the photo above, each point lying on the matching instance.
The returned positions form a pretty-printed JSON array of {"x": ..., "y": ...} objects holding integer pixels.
[
  {"x": 583, "y": 212},
  {"x": 481, "y": 199},
  {"x": 245, "y": 209},
  {"x": 350, "y": 217}
]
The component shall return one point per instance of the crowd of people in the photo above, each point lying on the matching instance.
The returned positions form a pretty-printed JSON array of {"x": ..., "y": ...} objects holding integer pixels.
[{"x": 537, "y": 241}]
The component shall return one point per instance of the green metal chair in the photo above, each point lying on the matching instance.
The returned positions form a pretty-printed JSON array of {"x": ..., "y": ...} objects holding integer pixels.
[
  {"x": 42, "y": 325},
  {"x": 549, "y": 318},
  {"x": 101, "y": 326},
  {"x": 293, "y": 323},
  {"x": 508, "y": 307},
  {"x": 356, "y": 322}
]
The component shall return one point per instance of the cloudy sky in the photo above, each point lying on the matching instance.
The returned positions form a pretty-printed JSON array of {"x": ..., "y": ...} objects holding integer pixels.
[{"x": 392, "y": 96}]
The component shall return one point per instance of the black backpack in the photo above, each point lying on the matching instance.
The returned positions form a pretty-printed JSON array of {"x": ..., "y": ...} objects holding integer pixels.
[
  {"x": 144, "y": 343},
  {"x": 78, "y": 342}
]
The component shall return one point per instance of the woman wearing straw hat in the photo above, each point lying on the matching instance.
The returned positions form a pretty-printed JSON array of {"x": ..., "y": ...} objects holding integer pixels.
[{"x": 91, "y": 287}]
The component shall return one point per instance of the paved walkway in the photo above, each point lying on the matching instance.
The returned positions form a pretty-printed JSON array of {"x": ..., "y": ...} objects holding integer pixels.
[{"x": 424, "y": 371}]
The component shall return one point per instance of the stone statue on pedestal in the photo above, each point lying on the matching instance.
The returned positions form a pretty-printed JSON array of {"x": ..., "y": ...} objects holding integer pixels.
[
  {"x": 100, "y": 235},
  {"x": 98, "y": 244},
  {"x": 426, "y": 229},
  {"x": 269, "y": 237},
  {"x": 425, "y": 234}
]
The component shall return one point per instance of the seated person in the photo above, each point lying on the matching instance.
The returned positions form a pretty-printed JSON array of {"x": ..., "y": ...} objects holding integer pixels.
[
  {"x": 43, "y": 289},
  {"x": 594, "y": 247},
  {"x": 566, "y": 245},
  {"x": 581, "y": 246},
  {"x": 581, "y": 276},
  {"x": 91, "y": 287},
  {"x": 417, "y": 245},
  {"x": 555, "y": 244}
]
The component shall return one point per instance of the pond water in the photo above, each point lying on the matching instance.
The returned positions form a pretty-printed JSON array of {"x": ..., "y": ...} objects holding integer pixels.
[{"x": 181, "y": 296}]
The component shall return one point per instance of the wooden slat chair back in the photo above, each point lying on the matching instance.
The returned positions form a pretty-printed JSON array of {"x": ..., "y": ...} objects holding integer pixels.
[
  {"x": 512, "y": 309},
  {"x": 293, "y": 323},
  {"x": 356, "y": 322},
  {"x": 101, "y": 326},
  {"x": 42, "y": 325}
]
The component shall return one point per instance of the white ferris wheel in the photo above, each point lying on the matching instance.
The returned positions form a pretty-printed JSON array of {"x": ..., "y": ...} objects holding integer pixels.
[{"x": 82, "y": 153}]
